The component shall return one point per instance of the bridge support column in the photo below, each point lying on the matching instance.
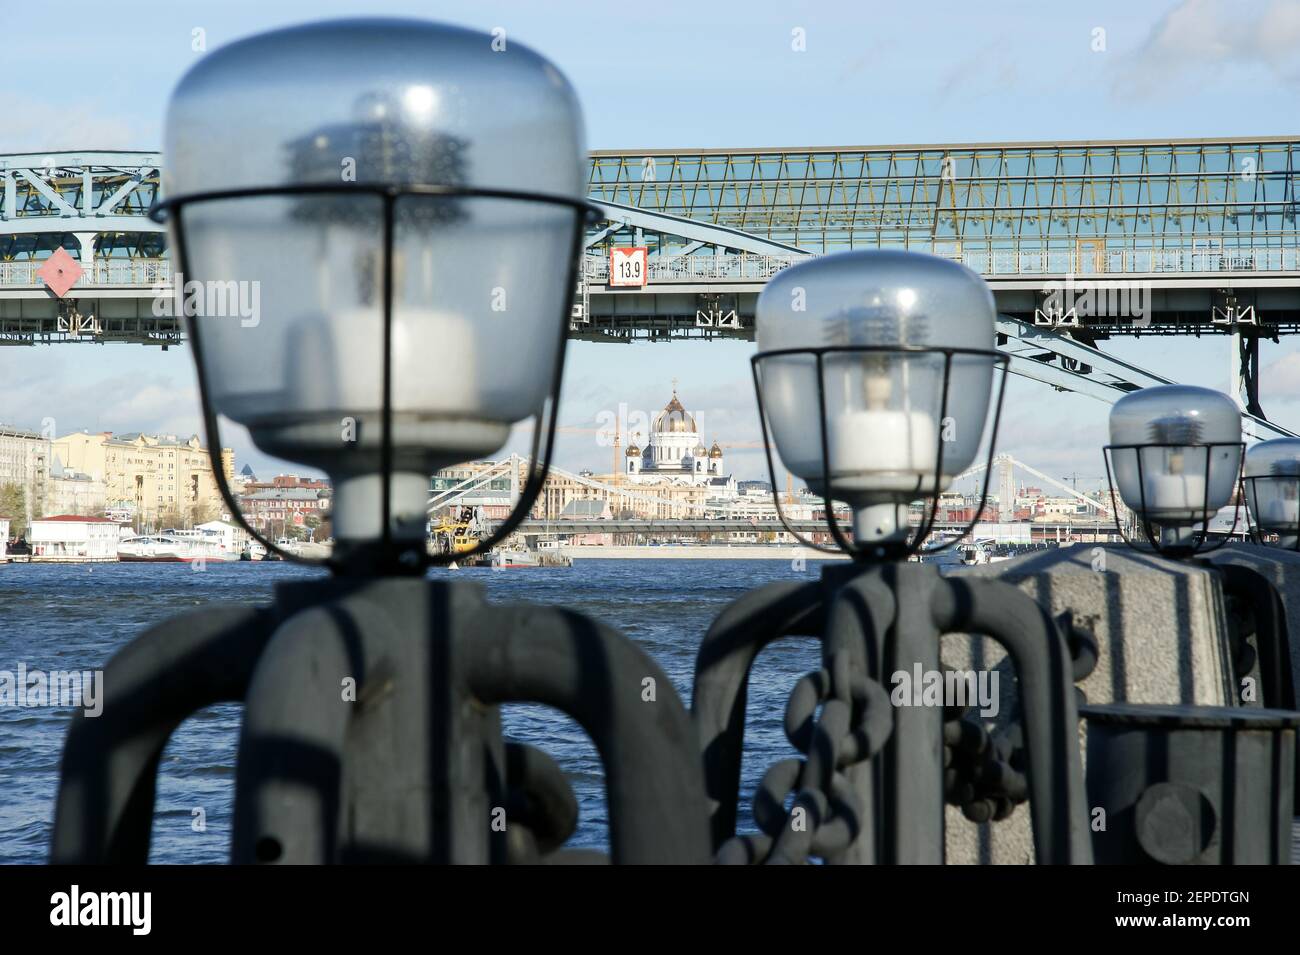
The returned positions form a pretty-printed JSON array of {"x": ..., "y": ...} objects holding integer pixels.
[
  {"x": 87, "y": 242},
  {"x": 1248, "y": 353},
  {"x": 1243, "y": 373}
]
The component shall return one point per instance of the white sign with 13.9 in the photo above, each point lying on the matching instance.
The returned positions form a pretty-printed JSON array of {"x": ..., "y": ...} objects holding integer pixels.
[{"x": 627, "y": 266}]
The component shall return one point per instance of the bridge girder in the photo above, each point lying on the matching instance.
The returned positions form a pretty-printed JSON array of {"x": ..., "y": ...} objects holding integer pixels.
[
  {"x": 83, "y": 193},
  {"x": 693, "y": 230},
  {"x": 86, "y": 192},
  {"x": 1054, "y": 359}
]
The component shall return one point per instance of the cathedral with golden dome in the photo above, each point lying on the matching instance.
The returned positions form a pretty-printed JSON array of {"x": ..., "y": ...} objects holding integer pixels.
[{"x": 675, "y": 454}]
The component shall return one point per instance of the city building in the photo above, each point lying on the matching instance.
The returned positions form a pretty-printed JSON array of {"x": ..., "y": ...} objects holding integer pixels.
[
  {"x": 491, "y": 489},
  {"x": 277, "y": 508},
  {"x": 4, "y": 536},
  {"x": 250, "y": 482},
  {"x": 158, "y": 479},
  {"x": 25, "y": 463},
  {"x": 74, "y": 492},
  {"x": 674, "y": 476},
  {"x": 239, "y": 482},
  {"x": 628, "y": 500},
  {"x": 231, "y": 537},
  {"x": 587, "y": 510},
  {"x": 485, "y": 488},
  {"x": 74, "y": 537},
  {"x": 675, "y": 454}
]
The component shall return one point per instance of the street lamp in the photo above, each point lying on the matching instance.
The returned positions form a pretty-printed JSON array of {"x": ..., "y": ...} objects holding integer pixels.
[
  {"x": 874, "y": 373},
  {"x": 1272, "y": 486},
  {"x": 1175, "y": 455},
  {"x": 1176, "y": 458},
  {"x": 408, "y": 197},
  {"x": 406, "y": 200}
]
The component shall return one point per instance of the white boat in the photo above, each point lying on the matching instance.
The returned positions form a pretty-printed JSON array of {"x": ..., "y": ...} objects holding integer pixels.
[
  {"x": 514, "y": 558},
  {"x": 173, "y": 546},
  {"x": 253, "y": 551},
  {"x": 506, "y": 558},
  {"x": 974, "y": 553}
]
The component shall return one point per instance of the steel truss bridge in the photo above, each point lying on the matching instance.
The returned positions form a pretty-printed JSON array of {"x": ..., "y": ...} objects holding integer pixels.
[
  {"x": 1101, "y": 528},
  {"x": 1080, "y": 242},
  {"x": 730, "y": 519}
]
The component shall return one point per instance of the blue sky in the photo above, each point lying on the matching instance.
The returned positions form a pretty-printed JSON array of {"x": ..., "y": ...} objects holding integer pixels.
[{"x": 676, "y": 74}]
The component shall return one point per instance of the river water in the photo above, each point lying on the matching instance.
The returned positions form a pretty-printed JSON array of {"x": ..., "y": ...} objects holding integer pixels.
[{"x": 76, "y": 616}]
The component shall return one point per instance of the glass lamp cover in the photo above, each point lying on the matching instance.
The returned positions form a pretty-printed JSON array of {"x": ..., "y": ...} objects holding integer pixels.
[
  {"x": 479, "y": 284},
  {"x": 1274, "y": 494},
  {"x": 884, "y": 409},
  {"x": 1183, "y": 481}
]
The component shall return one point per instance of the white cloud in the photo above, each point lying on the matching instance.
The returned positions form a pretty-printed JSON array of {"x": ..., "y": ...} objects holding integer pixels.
[
  {"x": 1281, "y": 378},
  {"x": 1202, "y": 40},
  {"x": 989, "y": 71},
  {"x": 40, "y": 125}
]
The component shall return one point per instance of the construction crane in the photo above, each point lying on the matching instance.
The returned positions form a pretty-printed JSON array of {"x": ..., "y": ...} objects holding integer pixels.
[
  {"x": 455, "y": 535},
  {"x": 1048, "y": 479}
]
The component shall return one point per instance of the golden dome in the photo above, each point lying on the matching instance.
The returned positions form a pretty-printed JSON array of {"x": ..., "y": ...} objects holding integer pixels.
[
  {"x": 633, "y": 451},
  {"x": 675, "y": 419},
  {"x": 716, "y": 450}
]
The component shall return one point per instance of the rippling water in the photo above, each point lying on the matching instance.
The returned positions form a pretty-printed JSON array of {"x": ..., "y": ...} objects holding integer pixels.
[{"x": 76, "y": 616}]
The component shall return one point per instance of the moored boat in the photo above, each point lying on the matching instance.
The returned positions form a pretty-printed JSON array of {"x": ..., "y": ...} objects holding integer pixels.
[
  {"x": 172, "y": 547},
  {"x": 510, "y": 559}
]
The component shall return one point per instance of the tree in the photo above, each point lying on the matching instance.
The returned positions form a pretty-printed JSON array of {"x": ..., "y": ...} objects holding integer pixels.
[
  {"x": 202, "y": 513},
  {"x": 13, "y": 505},
  {"x": 324, "y": 529},
  {"x": 312, "y": 527}
]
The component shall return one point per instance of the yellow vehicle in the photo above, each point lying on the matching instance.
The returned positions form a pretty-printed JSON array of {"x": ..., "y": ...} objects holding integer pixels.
[{"x": 451, "y": 536}]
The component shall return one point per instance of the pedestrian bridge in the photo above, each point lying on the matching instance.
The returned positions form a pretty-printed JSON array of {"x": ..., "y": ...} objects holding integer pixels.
[{"x": 1080, "y": 242}]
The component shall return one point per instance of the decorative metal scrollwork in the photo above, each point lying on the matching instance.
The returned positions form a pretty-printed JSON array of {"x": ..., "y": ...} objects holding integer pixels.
[
  {"x": 983, "y": 775},
  {"x": 983, "y": 766},
  {"x": 837, "y": 718}
]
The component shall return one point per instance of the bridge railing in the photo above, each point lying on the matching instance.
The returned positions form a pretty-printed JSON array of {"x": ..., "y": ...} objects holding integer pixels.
[
  {"x": 686, "y": 268},
  {"x": 1081, "y": 263},
  {"x": 750, "y": 267},
  {"x": 105, "y": 273},
  {"x": 1091, "y": 262}
]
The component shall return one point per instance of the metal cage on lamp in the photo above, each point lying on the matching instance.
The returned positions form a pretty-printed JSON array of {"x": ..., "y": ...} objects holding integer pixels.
[
  {"x": 1175, "y": 459},
  {"x": 892, "y": 352},
  {"x": 1157, "y": 533},
  {"x": 369, "y": 183},
  {"x": 388, "y": 557},
  {"x": 1271, "y": 487},
  {"x": 382, "y": 360},
  {"x": 914, "y": 543}
]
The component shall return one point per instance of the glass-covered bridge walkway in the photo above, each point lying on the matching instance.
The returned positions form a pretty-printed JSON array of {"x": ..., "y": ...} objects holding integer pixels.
[{"x": 1169, "y": 237}]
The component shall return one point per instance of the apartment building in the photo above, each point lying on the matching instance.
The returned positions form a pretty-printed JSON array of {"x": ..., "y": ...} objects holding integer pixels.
[
  {"x": 160, "y": 479},
  {"x": 25, "y": 462}
]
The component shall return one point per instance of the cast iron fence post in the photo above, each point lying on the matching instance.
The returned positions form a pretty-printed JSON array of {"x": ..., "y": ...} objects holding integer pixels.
[{"x": 887, "y": 619}]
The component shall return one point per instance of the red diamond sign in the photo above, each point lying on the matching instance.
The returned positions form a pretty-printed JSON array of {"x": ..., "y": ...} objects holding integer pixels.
[{"x": 60, "y": 272}]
